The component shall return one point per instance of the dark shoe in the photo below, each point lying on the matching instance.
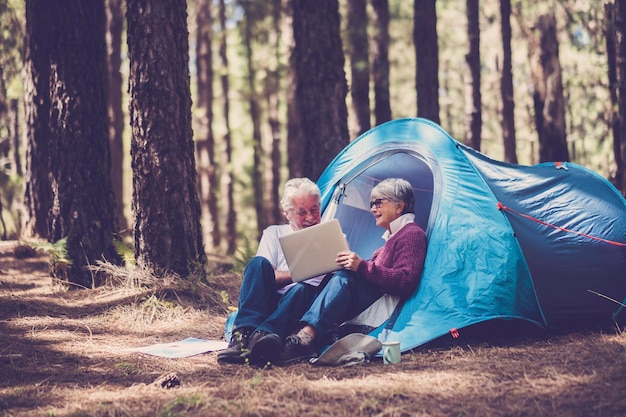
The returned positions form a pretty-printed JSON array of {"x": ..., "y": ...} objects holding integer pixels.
[
  {"x": 294, "y": 351},
  {"x": 237, "y": 350},
  {"x": 264, "y": 348}
]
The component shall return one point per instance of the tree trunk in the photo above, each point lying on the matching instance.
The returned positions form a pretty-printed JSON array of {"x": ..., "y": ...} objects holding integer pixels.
[
  {"x": 427, "y": 59},
  {"x": 10, "y": 127},
  {"x": 295, "y": 134},
  {"x": 83, "y": 206},
  {"x": 273, "y": 89},
  {"x": 620, "y": 58},
  {"x": 548, "y": 100},
  {"x": 38, "y": 192},
  {"x": 359, "y": 63},
  {"x": 255, "y": 118},
  {"x": 4, "y": 117},
  {"x": 320, "y": 83},
  {"x": 227, "y": 174},
  {"x": 380, "y": 61},
  {"x": 208, "y": 184},
  {"x": 168, "y": 236},
  {"x": 473, "y": 104},
  {"x": 507, "y": 111},
  {"x": 115, "y": 20},
  {"x": 14, "y": 129}
]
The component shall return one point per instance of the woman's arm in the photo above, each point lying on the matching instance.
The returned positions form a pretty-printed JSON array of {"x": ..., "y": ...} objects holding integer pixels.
[{"x": 398, "y": 265}]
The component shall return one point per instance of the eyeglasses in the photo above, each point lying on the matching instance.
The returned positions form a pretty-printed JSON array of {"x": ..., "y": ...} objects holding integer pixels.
[
  {"x": 303, "y": 213},
  {"x": 378, "y": 202}
]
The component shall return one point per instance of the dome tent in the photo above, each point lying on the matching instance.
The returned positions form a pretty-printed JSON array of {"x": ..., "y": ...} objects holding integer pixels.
[{"x": 539, "y": 244}]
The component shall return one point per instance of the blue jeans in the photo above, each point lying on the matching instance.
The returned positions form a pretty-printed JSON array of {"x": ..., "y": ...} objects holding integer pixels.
[
  {"x": 345, "y": 296},
  {"x": 262, "y": 308}
]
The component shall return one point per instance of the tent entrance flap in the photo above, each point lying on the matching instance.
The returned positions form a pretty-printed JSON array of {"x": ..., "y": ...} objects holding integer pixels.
[{"x": 353, "y": 210}]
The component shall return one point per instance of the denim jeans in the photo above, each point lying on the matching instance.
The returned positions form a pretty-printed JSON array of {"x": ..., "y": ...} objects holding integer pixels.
[
  {"x": 262, "y": 308},
  {"x": 345, "y": 296}
]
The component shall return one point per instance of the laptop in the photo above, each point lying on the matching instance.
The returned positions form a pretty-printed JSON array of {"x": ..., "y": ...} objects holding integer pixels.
[{"x": 312, "y": 251}]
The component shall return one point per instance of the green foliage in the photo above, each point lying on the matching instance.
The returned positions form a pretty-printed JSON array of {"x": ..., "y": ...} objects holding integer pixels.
[
  {"x": 10, "y": 197},
  {"x": 181, "y": 406},
  {"x": 11, "y": 40},
  {"x": 57, "y": 251},
  {"x": 243, "y": 255},
  {"x": 257, "y": 379},
  {"x": 197, "y": 273},
  {"x": 157, "y": 309},
  {"x": 127, "y": 368},
  {"x": 126, "y": 252},
  {"x": 225, "y": 297}
]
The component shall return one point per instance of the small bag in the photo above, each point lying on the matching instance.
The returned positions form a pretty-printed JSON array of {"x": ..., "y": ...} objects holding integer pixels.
[{"x": 350, "y": 350}]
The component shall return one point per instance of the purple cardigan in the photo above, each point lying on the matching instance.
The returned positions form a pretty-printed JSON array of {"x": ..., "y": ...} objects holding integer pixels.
[{"x": 397, "y": 266}]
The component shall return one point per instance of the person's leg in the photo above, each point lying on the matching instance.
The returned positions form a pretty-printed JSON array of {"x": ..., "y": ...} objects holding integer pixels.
[
  {"x": 257, "y": 299},
  {"x": 291, "y": 306},
  {"x": 345, "y": 296},
  {"x": 266, "y": 342}
]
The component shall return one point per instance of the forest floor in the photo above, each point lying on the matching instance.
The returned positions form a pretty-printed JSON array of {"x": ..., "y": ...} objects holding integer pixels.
[{"x": 63, "y": 353}]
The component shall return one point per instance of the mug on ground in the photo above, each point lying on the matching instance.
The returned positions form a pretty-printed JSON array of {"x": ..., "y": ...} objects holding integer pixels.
[{"x": 391, "y": 352}]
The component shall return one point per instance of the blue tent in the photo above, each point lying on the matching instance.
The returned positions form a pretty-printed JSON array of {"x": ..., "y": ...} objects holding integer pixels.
[{"x": 542, "y": 244}]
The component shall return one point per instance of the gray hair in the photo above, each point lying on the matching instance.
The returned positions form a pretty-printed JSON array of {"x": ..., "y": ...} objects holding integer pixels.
[
  {"x": 396, "y": 190},
  {"x": 298, "y": 187}
]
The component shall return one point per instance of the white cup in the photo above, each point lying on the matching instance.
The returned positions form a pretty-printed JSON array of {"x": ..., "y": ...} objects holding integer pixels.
[{"x": 391, "y": 352}]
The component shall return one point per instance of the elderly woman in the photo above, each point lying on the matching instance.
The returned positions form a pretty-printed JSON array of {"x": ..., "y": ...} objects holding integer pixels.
[
  {"x": 394, "y": 269},
  {"x": 270, "y": 304}
]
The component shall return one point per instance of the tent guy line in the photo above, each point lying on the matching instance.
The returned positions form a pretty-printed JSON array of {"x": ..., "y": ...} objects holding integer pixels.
[{"x": 610, "y": 242}]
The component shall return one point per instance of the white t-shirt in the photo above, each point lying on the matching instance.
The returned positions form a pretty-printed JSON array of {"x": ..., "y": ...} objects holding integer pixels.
[{"x": 269, "y": 248}]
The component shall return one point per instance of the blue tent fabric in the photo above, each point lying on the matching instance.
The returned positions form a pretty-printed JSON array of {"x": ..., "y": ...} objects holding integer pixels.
[
  {"x": 485, "y": 262},
  {"x": 564, "y": 265}
]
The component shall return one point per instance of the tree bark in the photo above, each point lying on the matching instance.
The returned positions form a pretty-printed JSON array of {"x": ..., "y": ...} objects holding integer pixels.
[
  {"x": 620, "y": 58},
  {"x": 255, "y": 119},
  {"x": 168, "y": 235},
  {"x": 295, "y": 134},
  {"x": 427, "y": 59},
  {"x": 115, "y": 21},
  {"x": 38, "y": 192},
  {"x": 507, "y": 110},
  {"x": 359, "y": 63},
  {"x": 208, "y": 184},
  {"x": 14, "y": 129},
  {"x": 83, "y": 202},
  {"x": 273, "y": 91},
  {"x": 473, "y": 99},
  {"x": 227, "y": 173},
  {"x": 321, "y": 86},
  {"x": 380, "y": 61},
  {"x": 548, "y": 99}
]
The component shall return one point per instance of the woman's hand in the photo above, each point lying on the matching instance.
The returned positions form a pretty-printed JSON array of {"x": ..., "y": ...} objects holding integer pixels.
[{"x": 348, "y": 260}]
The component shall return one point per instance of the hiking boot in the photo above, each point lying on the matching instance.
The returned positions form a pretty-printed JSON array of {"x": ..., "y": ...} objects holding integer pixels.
[
  {"x": 237, "y": 350},
  {"x": 264, "y": 347},
  {"x": 294, "y": 351}
]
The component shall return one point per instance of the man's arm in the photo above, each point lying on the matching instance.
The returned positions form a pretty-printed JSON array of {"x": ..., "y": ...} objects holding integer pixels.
[{"x": 282, "y": 278}]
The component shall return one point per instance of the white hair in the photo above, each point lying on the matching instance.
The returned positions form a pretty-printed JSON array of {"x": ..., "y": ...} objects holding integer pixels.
[{"x": 298, "y": 187}]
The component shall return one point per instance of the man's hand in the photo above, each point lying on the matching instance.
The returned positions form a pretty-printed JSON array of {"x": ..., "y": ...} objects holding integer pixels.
[{"x": 282, "y": 278}]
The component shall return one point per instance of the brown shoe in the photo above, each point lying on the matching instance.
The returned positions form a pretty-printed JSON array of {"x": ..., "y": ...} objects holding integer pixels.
[{"x": 294, "y": 351}]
